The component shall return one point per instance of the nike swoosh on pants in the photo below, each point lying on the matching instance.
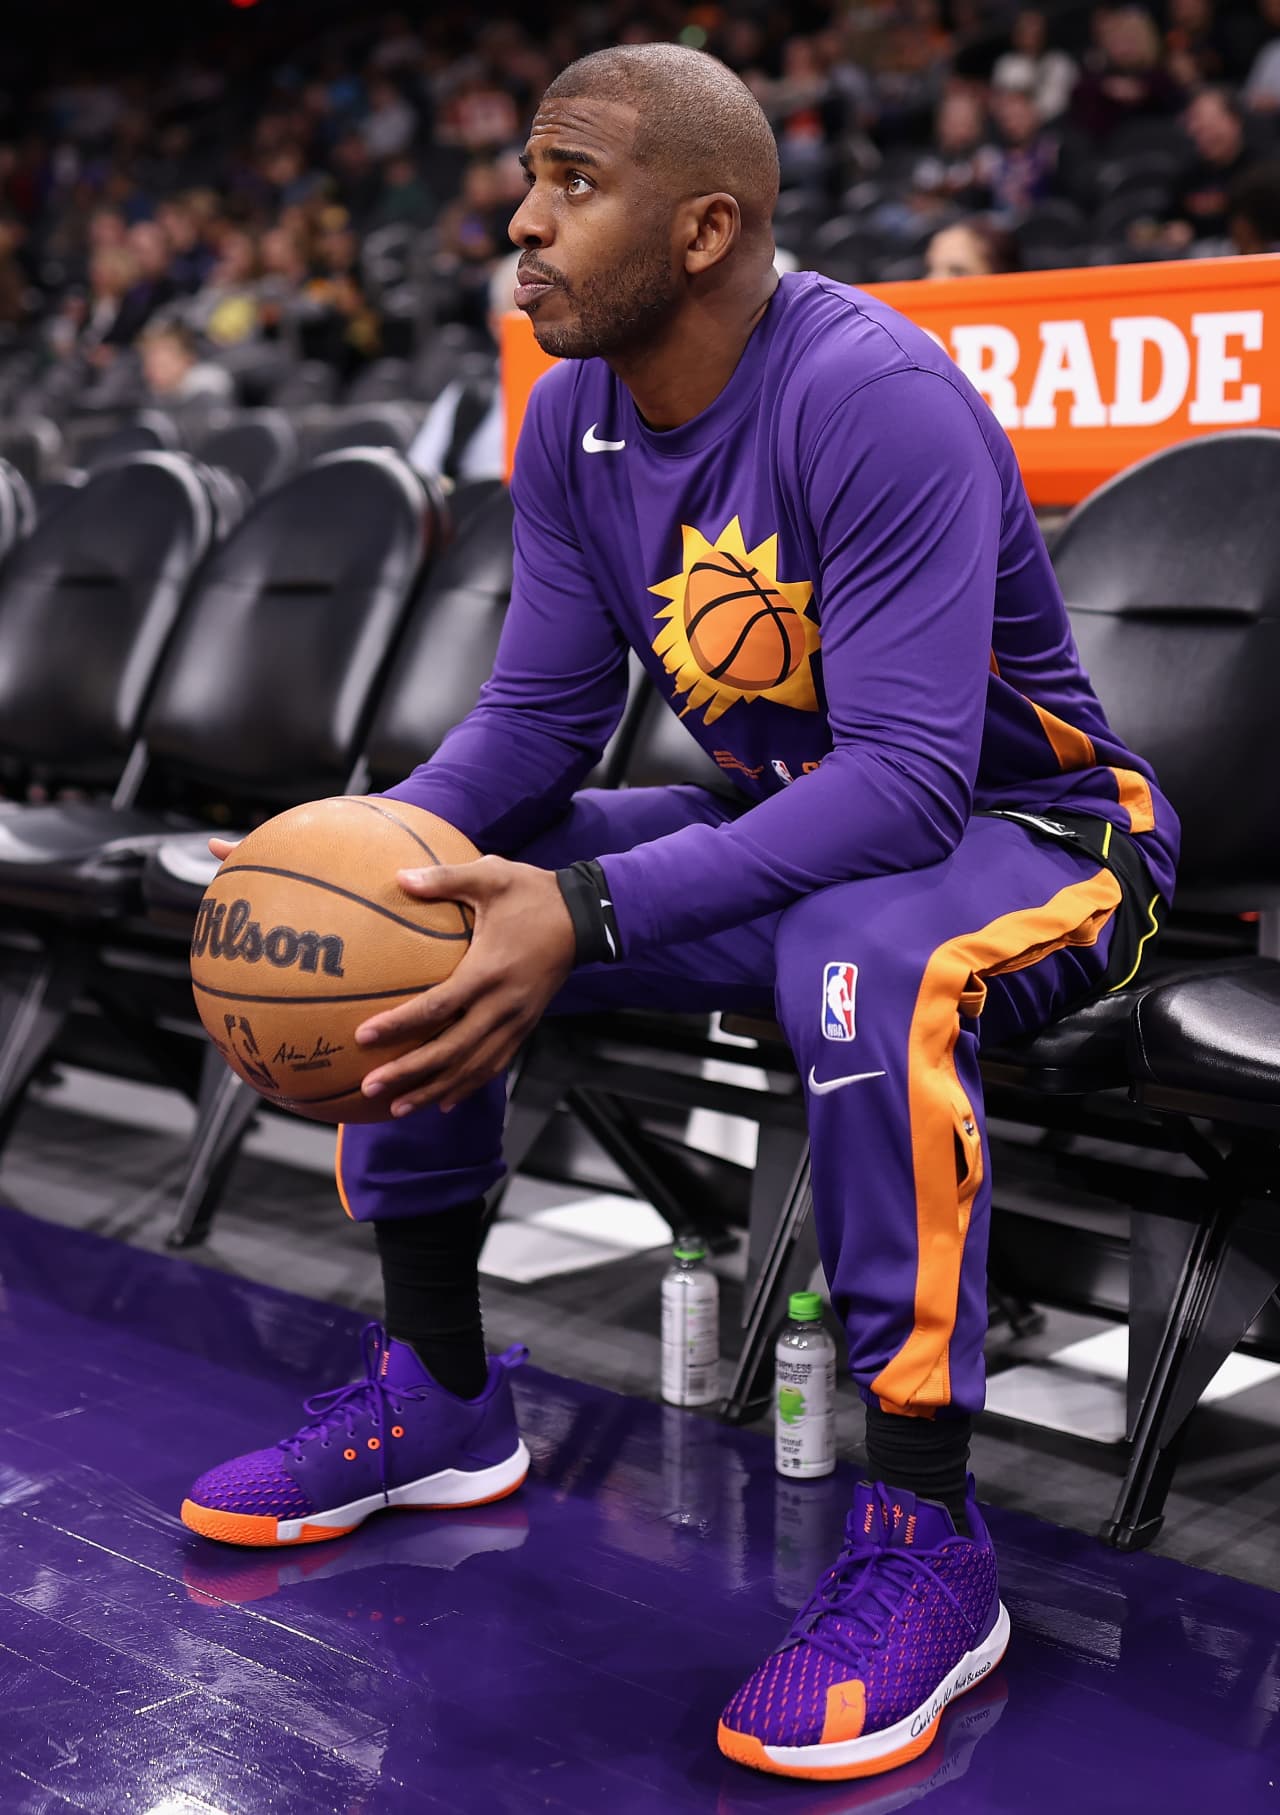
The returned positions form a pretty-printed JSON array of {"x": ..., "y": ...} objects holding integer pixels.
[{"x": 820, "y": 1090}]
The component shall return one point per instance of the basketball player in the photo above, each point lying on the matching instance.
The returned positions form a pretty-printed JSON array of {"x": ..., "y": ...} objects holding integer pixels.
[{"x": 787, "y": 500}]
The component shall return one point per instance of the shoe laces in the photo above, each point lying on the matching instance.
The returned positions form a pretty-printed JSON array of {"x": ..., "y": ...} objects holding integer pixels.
[
  {"x": 854, "y": 1601},
  {"x": 363, "y": 1401}
]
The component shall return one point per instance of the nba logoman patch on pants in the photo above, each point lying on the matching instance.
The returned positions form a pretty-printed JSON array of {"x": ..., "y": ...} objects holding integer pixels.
[{"x": 839, "y": 1000}]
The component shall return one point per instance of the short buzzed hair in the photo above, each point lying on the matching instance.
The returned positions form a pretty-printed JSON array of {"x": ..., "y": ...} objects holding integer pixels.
[{"x": 700, "y": 125}]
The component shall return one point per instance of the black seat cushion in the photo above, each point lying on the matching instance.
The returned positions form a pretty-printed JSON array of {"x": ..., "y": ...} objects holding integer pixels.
[
  {"x": 176, "y": 873},
  {"x": 1087, "y": 1048},
  {"x": 1215, "y": 1036},
  {"x": 80, "y": 858},
  {"x": 1083, "y": 1049}
]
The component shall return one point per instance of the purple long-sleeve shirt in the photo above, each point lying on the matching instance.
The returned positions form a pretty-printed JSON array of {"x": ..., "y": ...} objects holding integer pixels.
[{"x": 834, "y": 575}]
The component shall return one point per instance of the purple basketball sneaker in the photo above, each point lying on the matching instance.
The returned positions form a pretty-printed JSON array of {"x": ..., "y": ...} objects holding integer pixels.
[
  {"x": 394, "y": 1438},
  {"x": 907, "y": 1617}
]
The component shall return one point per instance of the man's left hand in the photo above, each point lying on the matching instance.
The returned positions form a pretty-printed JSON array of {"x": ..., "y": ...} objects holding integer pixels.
[{"x": 471, "y": 1026}]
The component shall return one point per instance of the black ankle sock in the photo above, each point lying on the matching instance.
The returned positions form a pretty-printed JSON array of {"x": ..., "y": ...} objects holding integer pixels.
[
  {"x": 431, "y": 1278},
  {"x": 928, "y": 1457}
]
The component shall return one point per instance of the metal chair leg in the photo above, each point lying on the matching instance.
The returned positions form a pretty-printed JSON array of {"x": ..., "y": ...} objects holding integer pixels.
[
  {"x": 226, "y": 1108},
  {"x": 1233, "y": 1270},
  {"x": 787, "y": 1265},
  {"x": 34, "y": 1006}
]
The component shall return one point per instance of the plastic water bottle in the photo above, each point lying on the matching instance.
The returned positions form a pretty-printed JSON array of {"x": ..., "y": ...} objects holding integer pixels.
[
  {"x": 804, "y": 1394},
  {"x": 690, "y": 1327}
]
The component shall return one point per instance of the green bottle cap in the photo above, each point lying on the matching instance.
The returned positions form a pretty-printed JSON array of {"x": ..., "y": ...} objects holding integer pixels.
[
  {"x": 689, "y": 1249},
  {"x": 805, "y": 1307}
]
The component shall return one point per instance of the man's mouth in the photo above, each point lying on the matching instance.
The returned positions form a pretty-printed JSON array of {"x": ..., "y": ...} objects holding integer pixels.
[{"x": 531, "y": 287}]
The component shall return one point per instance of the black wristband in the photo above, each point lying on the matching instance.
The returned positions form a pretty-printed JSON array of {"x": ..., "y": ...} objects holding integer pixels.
[{"x": 595, "y": 928}]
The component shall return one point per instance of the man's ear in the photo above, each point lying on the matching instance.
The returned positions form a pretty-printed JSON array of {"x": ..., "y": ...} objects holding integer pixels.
[{"x": 712, "y": 226}]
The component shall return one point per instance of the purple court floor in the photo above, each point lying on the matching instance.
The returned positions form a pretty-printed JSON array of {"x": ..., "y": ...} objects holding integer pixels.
[{"x": 569, "y": 1649}]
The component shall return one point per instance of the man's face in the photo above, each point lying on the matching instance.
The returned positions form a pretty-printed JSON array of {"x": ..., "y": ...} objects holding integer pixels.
[
  {"x": 1214, "y": 129},
  {"x": 599, "y": 273},
  {"x": 164, "y": 363}
]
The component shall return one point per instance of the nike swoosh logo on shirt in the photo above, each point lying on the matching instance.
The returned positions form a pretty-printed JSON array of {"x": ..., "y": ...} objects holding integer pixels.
[
  {"x": 591, "y": 445},
  {"x": 820, "y": 1090}
]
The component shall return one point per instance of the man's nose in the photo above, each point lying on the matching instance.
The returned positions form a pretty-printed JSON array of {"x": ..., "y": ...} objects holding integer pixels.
[{"x": 530, "y": 226}]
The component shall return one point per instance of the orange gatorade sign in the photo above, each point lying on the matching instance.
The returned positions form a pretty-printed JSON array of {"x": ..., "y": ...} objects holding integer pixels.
[{"x": 1088, "y": 370}]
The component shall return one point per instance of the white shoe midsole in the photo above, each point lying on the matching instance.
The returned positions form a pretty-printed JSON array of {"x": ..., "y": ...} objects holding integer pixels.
[
  {"x": 451, "y": 1487},
  {"x": 972, "y": 1666}
]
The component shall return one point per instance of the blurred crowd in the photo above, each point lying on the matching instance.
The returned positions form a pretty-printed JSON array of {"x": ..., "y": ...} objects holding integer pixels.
[{"x": 186, "y": 232}]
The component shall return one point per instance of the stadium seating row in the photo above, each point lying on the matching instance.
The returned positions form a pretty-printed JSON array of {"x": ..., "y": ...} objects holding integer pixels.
[{"x": 226, "y": 665}]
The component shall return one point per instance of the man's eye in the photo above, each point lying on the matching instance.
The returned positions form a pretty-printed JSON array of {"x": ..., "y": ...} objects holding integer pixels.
[{"x": 573, "y": 179}]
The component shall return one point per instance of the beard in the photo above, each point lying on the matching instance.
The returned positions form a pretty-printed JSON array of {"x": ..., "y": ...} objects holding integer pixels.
[{"x": 618, "y": 312}]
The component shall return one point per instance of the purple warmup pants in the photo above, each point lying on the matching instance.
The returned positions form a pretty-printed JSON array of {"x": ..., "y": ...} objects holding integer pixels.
[{"x": 884, "y": 988}]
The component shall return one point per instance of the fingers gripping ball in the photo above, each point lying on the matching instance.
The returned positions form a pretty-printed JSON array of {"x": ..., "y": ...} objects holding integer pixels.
[{"x": 304, "y": 933}]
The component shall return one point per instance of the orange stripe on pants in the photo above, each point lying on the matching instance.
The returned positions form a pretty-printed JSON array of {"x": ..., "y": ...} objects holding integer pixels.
[
  {"x": 337, "y": 1172},
  {"x": 1134, "y": 794},
  {"x": 917, "y": 1379}
]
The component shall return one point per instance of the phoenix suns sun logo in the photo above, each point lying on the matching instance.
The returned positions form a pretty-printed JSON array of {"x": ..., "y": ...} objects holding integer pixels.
[{"x": 733, "y": 630}]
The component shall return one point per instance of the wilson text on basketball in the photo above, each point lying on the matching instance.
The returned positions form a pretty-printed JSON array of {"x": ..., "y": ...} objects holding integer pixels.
[{"x": 229, "y": 931}]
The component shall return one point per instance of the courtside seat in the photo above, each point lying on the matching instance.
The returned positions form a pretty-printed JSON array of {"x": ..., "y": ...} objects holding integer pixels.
[
  {"x": 261, "y": 701},
  {"x": 1171, "y": 573},
  {"x": 17, "y": 508},
  {"x": 259, "y": 446},
  {"x": 1205, "y": 1060},
  {"x": 448, "y": 649},
  {"x": 441, "y": 662},
  {"x": 75, "y": 857},
  {"x": 262, "y": 693},
  {"x": 1209, "y": 1045},
  {"x": 98, "y": 444},
  {"x": 88, "y": 601},
  {"x": 34, "y": 446},
  {"x": 369, "y": 425}
]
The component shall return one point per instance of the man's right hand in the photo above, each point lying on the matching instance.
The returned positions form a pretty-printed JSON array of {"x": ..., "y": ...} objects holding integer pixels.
[{"x": 223, "y": 847}]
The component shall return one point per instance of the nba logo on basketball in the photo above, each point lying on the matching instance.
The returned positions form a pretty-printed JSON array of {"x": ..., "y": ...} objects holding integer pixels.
[{"x": 839, "y": 981}]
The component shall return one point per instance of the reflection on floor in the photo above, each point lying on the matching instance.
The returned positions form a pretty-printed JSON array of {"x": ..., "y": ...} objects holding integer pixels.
[{"x": 568, "y": 1649}]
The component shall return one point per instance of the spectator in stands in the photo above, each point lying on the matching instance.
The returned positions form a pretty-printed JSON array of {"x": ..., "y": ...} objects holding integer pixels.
[
  {"x": 957, "y": 172},
  {"x": 1023, "y": 169},
  {"x": 356, "y": 180},
  {"x": 1215, "y": 127},
  {"x": 807, "y": 114},
  {"x": 18, "y": 299},
  {"x": 1262, "y": 89},
  {"x": 464, "y": 434},
  {"x": 118, "y": 306},
  {"x": 191, "y": 257},
  {"x": 174, "y": 370},
  {"x": 391, "y": 125},
  {"x": 398, "y": 44},
  {"x": 1054, "y": 74},
  {"x": 1193, "y": 47},
  {"x": 912, "y": 63},
  {"x": 1253, "y": 211},
  {"x": 150, "y": 247},
  {"x": 1131, "y": 83},
  {"x": 226, "y": 309},
  {"x": 975, "y": 248},
  {"x": 479, "y": 116},
  {"x": 343, "y": 327},
  {"x": 405, "y": 196},
  {"x": 470, "y": 234},
  {"x": 849, "y": 81}
]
